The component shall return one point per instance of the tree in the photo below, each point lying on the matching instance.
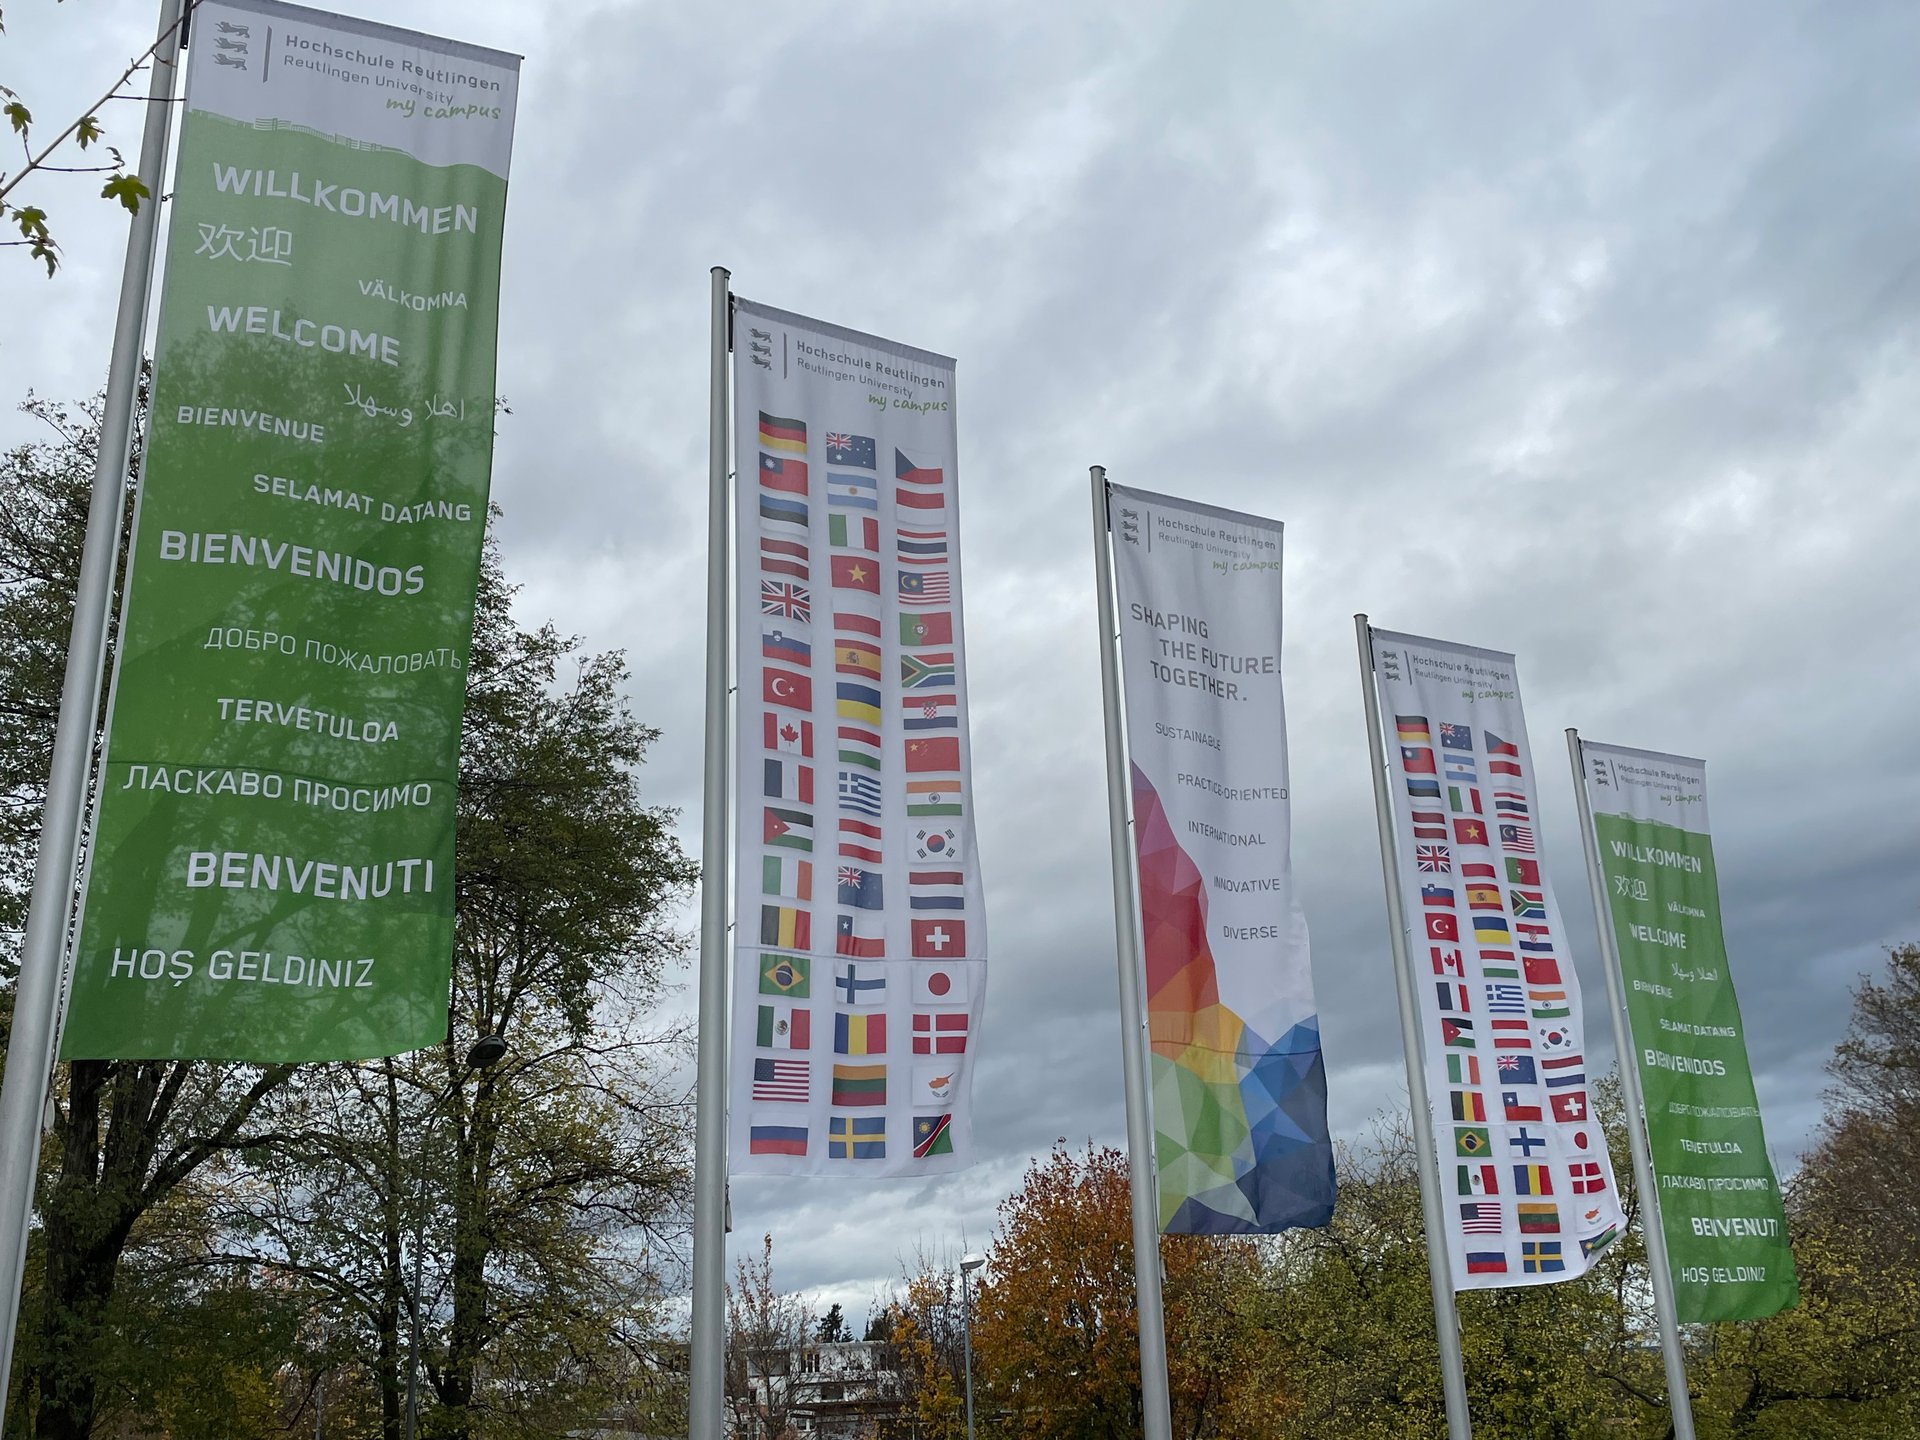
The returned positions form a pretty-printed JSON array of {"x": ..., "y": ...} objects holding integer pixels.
[
  {"x": 554, "y": 1183},
  {"x": 833, "y": 1326},
  {"x": 767, "y": 1341},
  {"x": 1055, "y": 1334},
  {"x": 1847, "y": 1358},
  {"x": 85, "y": 132}
]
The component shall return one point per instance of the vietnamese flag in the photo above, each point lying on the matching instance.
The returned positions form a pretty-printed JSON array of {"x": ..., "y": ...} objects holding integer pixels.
[
  {"x": 933, "y": 628},
  {"x": 856, "y": 572},
  {"x": 934, "y": 753}
]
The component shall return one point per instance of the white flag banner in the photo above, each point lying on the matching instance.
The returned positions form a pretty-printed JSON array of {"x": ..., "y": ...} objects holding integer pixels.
[
  {"x": 1239, "y": 1086},
  {"x": 860, "y": 956},
  {"x": 1530, "y": 1196}
]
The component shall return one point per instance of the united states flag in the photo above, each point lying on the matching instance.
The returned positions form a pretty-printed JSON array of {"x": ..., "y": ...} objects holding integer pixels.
[{"x": 781, "y": 1080}]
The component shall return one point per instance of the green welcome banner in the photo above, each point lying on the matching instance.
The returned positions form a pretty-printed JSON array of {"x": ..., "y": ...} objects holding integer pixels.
[
  {"x": 271, "y": 867},
  {"x": 1719, "y": 1201}
]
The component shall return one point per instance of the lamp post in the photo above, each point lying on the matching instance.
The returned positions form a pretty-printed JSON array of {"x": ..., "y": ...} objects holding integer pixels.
[
  {"x": 968, "y": 1264},
  {"x": 486, "y": 1051}
]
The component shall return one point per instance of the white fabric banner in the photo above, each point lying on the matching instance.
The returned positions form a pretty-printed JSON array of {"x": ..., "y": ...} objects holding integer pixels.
[
  {"x": 860, "y": 954},
  {"x": 1239, "y": 1087},
  {"x": 1530, "y": 1194}
]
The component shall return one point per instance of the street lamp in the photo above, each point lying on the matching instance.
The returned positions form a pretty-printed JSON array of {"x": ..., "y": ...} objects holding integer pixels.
[
  {"x": 968, "y": 1264},
  {"x": 486, "y": 1051}
]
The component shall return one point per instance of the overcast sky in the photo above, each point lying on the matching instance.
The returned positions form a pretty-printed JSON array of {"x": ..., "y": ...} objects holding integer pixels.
[{"x": 1583, "y": 332}]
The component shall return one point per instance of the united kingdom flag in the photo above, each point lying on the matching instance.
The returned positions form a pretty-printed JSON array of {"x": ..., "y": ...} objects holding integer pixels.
[
  {"x": 1434, "y": 858},
  {"x": 790, "y": 602}
]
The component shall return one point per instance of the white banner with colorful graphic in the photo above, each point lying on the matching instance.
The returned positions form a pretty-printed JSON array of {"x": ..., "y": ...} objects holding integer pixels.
[
  {"x": 860, "y": 954},
  {"x": 1239, "y": 1086},
  {"x": 1529, "y": 1191}
]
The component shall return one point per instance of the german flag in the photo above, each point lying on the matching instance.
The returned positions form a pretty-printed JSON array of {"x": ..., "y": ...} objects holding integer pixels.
[{"x": 779, "y": 434}]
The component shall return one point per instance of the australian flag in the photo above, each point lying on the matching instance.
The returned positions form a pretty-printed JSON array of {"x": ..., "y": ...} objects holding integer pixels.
[{"x": 850, "y": 450}]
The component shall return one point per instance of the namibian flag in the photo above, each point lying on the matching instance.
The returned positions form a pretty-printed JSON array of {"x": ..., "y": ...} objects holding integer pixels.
[
  {"x": 859, "y": 1084},
  {"x": 932, "y": 1135},
  {"x": 777, "y": 1140},
  {"x": 779, "y": 434},
  {"x": 1412, "y": 729}
]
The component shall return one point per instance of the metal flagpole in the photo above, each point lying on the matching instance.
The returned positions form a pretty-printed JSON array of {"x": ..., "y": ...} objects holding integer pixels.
[
  {"x": 1678, "y": 1398},
  {"x": 23, "y": 1095},
  {"x": 705, "y": 1398},
  {"x": 1446, "y": 1320},
  {"x": 1156, "y": 1414}
]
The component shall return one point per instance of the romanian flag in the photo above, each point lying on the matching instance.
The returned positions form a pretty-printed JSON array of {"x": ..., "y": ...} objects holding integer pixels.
[
  {"x": 779, "y": 434},
  {"x": 859, "y": 1084},
  {"x": 859, "y": 1035},
  {"x": 1532, "y": 1180},
  {"x": 1412, "y": 729}
]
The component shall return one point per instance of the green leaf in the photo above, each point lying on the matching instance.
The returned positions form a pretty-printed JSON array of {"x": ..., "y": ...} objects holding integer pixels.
[
  {"x": 129, "y": 190},
  {"x": 87, "y": 131},
  {"x": 17, "y": 115}
]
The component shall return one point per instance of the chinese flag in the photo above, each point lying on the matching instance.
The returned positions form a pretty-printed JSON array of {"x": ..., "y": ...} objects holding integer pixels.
[{"x": 935, "y": 754}]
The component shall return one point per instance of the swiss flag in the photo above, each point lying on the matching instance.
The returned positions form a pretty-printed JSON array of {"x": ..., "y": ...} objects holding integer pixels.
[
  {"x": 1568, "y": 1108},
  {"x": 938, "y": 939}
]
